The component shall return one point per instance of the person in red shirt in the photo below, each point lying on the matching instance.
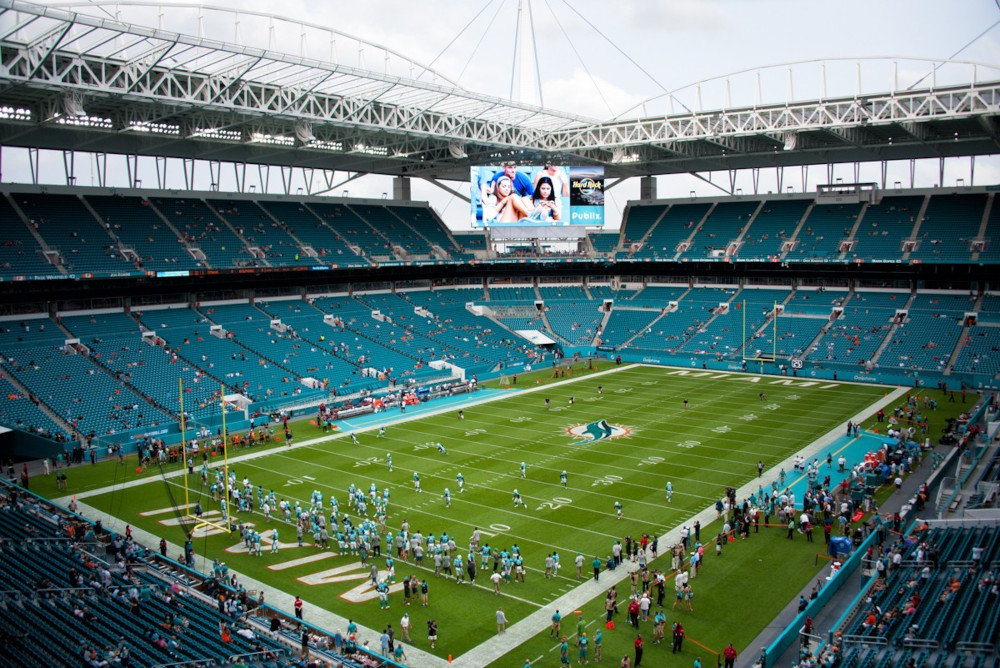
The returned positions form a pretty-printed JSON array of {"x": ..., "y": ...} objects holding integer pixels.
[
  {"x": 729, "y": 654},
  {"x": 298, "y": 607},
  {"x": 678, "y": 629},
  {"x": 638, "y": 651}
]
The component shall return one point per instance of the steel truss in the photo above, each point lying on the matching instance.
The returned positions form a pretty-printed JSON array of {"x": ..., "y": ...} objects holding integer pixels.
[{"x": 71, "y": 81}]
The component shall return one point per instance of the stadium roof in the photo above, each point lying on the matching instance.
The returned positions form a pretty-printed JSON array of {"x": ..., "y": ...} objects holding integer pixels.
[{"x": 79, "y": 82}]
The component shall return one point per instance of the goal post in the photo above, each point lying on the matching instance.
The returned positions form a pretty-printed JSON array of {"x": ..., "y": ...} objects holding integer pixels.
[{"x": 201, "y": 522}]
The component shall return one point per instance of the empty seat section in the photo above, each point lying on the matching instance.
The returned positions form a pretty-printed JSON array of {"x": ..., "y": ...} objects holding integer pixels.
[
  {"x": 980, "y": 351},
  {"x": 153, "y": 370},
  {"x": 693, "y": 310},
  {"x": 676, "y": 226},
  {"x": 991, "y": 236},
  {"x": 62, "y": 380},
  {"x": 723, "y": 225},
  {"x": 949, "y": 225},
  {"x": 266, "y": 239},
  {"x": 577, "y": 322},
  {"x": 635, "y": 226},
  {"x": 925, "y": 341},
  {"x": 202, "y": 228},
  {"x": 354, "y": 230},
  {"x": 395, "y": 230},
  {"x": 724, "y": 335},
  {"x": 773, "y": 226},
  {"x": 423, "y": 221},
  {"x": 652, "y": 296},
  {"x": 140, "y": 229},
  {"x": 573, "y": 293},
  {"x": 68, "y": 227},
  {"x": 20, "y": 252},
  {"x": 605, "y": 243},
  {"x": 601, "y": 292},
  {"x": 855, "y": 337},
  {"x": 884, "y": 227},
  {"x": 823, "y": 230},
  {"x": 624, "y": 324},
  {"x": 524, "y": 293},
  {"x": 310, "y": 230},
  {"x": 471, "y": 243},
  {"x": 18, "y": 411}
]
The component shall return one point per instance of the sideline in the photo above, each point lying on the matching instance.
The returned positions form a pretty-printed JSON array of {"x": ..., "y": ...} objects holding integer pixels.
[
  {"x": 527, "y": 628},
  {"x": 493, "y": 395}
]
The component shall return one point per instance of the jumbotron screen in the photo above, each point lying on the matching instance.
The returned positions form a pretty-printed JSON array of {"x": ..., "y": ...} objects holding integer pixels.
[{"x": 543, "y": 195}]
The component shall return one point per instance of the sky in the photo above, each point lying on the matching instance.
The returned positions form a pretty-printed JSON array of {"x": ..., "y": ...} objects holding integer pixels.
[{"x": 627, "y": 58}]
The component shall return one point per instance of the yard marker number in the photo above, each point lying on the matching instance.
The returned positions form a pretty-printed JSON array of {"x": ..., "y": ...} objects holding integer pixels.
[
  {"x": 606, "y": 480},
  {"x": 556, "y": 502}
]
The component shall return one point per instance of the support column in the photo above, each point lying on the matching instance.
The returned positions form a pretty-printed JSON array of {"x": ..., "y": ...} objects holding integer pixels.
[
  {"x": 402, "y": 189},
  {"x": 647, "y": 188}
]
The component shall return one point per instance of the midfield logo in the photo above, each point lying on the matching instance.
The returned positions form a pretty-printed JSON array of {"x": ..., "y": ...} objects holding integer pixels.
[{"x": 598, "y": 431}]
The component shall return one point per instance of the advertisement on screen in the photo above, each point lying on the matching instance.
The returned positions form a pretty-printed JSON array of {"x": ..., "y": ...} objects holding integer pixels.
[{"x": 541, "y": 195}]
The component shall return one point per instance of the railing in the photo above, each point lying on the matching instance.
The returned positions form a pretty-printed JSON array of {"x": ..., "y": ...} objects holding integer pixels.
[
  {"x": 63, "y": 590},
  {"x": 985, "y": 647},
  {"x": 193, "y": 663},
  {"x": 878, "y": 641},
  {"x": 253, "y": 656}
]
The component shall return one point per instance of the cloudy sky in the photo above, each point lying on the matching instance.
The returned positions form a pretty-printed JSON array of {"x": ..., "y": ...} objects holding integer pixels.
[{"x": 628, "y": 57}]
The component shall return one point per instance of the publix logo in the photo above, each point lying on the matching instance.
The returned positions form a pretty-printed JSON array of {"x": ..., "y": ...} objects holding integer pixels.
[{"x": 597, "y": 431}]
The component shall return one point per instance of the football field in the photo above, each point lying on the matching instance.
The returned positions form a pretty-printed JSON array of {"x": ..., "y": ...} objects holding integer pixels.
[{"x": 619, "y": 435}]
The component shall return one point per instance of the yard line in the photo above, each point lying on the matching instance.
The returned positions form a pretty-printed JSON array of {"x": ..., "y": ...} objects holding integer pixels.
[
  {"x": 519, "y": 539},
  {"x": 515, "y": 473},
  {"x": 480, "y": 505}
]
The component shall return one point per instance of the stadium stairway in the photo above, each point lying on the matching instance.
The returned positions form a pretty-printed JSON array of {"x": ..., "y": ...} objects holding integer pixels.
[
  {"x": 892, "y": 332},
  {"x": 793, "y": 239},
  {"x": 963, "y": 337},
  {"x": 814, "y": 344}
]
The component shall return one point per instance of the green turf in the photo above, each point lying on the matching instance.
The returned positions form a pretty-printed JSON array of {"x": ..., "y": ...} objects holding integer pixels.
[
  {"x": 714, "y": 443},
  {"x": 736, "y": 595}
]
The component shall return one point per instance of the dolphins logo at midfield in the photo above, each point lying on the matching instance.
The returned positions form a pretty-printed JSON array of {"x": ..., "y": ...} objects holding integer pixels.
[{"x": 597, "y": 431}]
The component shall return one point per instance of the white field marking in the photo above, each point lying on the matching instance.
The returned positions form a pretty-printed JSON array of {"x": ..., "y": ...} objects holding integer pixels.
[
  {"x": 293, "y": 563},
  {"x": 516, "y": 474},
  {"x": 689, "y": 372},
  {"x": 200, "y": 532},
  {"x": 489, "y": 507},
  {"x": 241, "y": 547},
  {"x": 678, "y": 414},
  {"x": 366, "y": 591},
  {"x": 539, "y": 465},
  {"x": 492, "y": 489},
  {"x": 573, "y": 445},
  {"x": 163, "y": 511},
  {"x": 346, "y": 573},
  {"x": 515, "y": 538},
  {"x": 749, "y": 431},
  {"x": 341, "y": 434}
]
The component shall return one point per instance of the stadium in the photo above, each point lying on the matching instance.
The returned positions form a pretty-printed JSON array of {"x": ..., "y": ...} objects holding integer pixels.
[{"x": 315, "y": 351}]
